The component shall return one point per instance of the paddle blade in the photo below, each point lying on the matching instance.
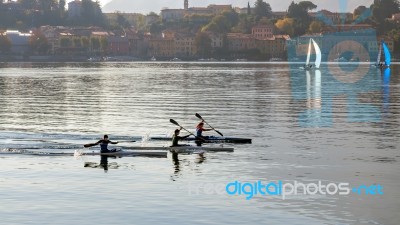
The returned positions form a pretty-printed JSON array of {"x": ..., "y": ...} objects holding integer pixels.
[
  {"x": 88, "y": 145},
  {"x": 198, "y": 116},
  {"x": 174, "y": 122},
  {"x": 219, "y": 133}
]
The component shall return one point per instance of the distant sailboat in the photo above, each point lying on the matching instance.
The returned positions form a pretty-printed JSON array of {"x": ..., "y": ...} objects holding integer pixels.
[
  {"x": 318, "y": 55},
  {"x": 387, "y": 58}
]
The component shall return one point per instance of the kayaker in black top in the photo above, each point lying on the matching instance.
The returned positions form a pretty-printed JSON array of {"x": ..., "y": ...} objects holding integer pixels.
[
  {"x": 176, "y": 138},
  {"x": 104, "y": 144}
]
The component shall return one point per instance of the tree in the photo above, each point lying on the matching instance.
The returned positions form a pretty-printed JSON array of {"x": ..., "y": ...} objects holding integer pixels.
[
  {"x": 157, "y": 27},
  {"x": 382, "y": 9},
  {"x": 85, "y": 43},
  {"x": 77, "y": 42},
  {"x": 39, "y": 43},
  {"x": 307, "y": 5},
  {"x": 315, "y": 27},
  {"x": 5, "y": 44},
  {"x": 360, "y": 10},
  {"x": 27, "y": 4},
  {"x": 286, "y": 26},
  {"x": 262, "y": 9},
  {"x": 299, "y": 12},
  {"x": 61, "y": 9},
  {"x": 395, "y": 34},
  {"x": 65, "y": 42},
  {"x": 122, "y": 21},
  {"x": 91, "y": 15},
  {"x": 95, "y": 44},
  {"x": 103, "y": 44},
  {"x": 203, "y": 44},
  {"x": 232, "y": 16},
  {"x": 222, "y": 23}
]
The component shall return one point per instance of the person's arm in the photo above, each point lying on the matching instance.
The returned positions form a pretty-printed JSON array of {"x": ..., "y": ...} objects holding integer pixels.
[
  {"x": 183, "y": 137},
  {"x": 114, "y": 142},
  {"x": 91, "y": 145},
  {"x": 208, "y": 129}
]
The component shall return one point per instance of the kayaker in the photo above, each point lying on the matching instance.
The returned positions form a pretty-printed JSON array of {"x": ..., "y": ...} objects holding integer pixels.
[
  {"x": 199, "y": 131},
  {"x": 176, "y": 138},
  {"x": 103, "y": 144}
]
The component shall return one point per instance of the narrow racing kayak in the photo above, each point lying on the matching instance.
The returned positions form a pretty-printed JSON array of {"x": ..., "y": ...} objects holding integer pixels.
[
  {"x": 208, "y": 139},
  {"x": 183, "y": 148}
]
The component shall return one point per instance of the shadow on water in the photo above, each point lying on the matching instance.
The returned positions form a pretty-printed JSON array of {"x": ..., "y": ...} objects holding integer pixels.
[
  {"x": 103, "y": 164},
  {"x": 177, "y": 164}
]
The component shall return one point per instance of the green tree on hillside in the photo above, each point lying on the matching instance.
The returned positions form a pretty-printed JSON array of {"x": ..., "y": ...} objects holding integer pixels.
[
  {"x": 381, "y": 10},
  {"x": 360, "y": 10},
  {"x": 285, "y": 26},
  {"x": 5, "y": 44},
  {"x": 315, "y": 27},
  {"x": 222, "y": 23},
  {"x": 203, "y": 44},
  {"x": 95, "y": 44},
  {"x": 65, "y": 42},
  {"x": 299, "y": 12},
  {"x": 38, "y": 43},
  {"x": 85, "y": 43},
  {"x": 262, "y": 9},
  {"x": 122, "y": 21}
]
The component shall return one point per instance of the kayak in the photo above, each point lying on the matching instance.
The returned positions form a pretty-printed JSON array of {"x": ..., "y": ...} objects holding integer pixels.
[
  {"x": 208, "y": 139},
  {"x": 183, "y": 148},
  {"x": 129, "y": 153},
  {"x": 120, "y": 153}
]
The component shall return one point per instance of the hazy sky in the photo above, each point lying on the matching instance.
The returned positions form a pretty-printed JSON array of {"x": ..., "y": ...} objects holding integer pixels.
[{"x": 145, "y": 6}]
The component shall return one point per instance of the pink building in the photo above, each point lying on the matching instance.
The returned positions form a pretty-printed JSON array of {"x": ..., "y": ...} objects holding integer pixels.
[
  {"x": 262, "y": 32},
  {"x": 118, "y": 45}
]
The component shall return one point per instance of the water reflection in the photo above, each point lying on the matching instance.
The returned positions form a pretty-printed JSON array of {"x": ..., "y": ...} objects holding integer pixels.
[
  {"x": 177, "y": 163},
  {"x": 69, "y": 104},
  {"x": 386, "y": 90},
  {"x": 335, "y": 90},
  {"x": 103, "y": 163},
  {"x": 313, "y": 116}
]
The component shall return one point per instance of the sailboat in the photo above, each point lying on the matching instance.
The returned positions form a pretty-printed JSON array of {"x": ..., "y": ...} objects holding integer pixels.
[
  {"x": 318, "y": 55},
  {"x": 383, "y": 48}
]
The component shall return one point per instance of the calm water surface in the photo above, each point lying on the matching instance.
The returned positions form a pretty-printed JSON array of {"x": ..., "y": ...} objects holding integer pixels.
[{"x": 338, "y": 124}]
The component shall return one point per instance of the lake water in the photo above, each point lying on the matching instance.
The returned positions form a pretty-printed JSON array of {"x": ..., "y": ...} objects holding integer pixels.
[{"x": 339, "y": 124}]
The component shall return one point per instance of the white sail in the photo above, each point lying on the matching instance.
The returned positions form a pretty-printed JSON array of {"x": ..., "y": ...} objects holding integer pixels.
[
  {"x": 378, "y": 60},
  {"x": 318, "y": 55},
  {"x": 308, "y": 54}
]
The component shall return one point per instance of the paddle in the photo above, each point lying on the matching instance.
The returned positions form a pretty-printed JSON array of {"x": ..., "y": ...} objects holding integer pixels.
[
  {"x": 94, "y": 144},
  {"x": 89, "y": 145},
  {"x": 176, "y": 123},
  {"x": 198, "y": 116}
]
